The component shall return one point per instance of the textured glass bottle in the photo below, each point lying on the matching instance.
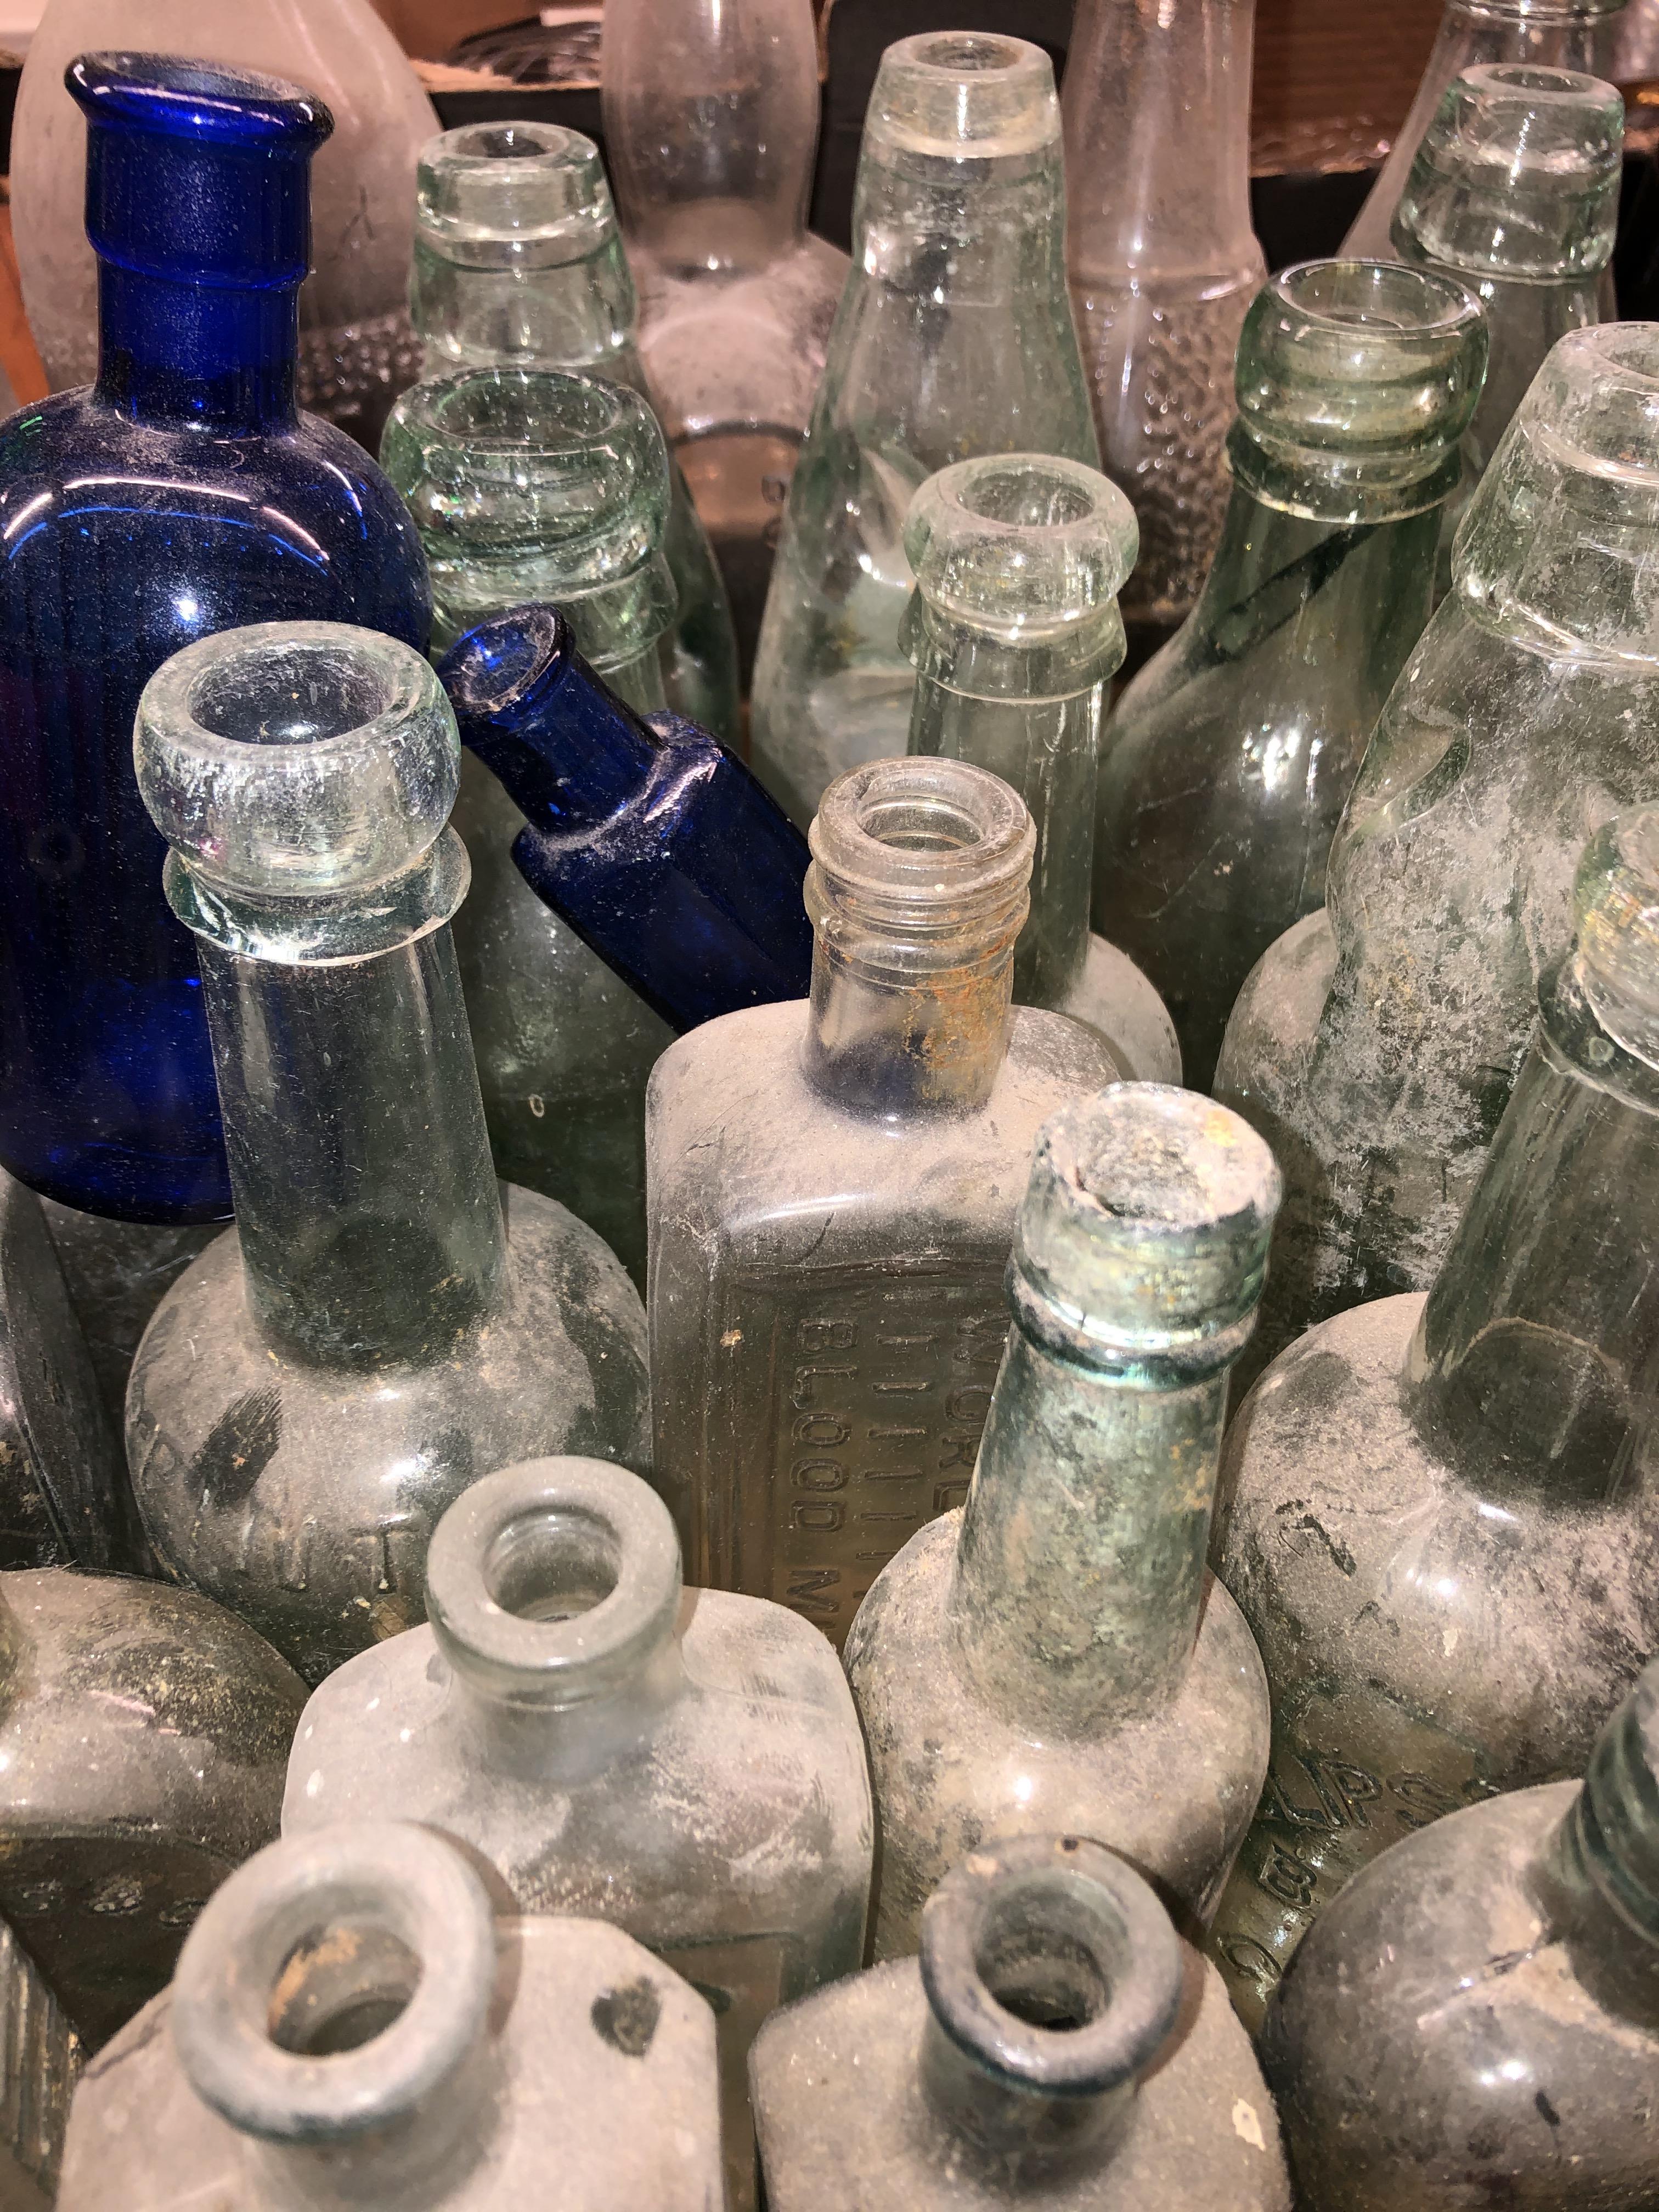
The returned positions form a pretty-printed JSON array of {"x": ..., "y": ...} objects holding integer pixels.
[
  {"x": 182, "y": 494},
  {"x": 1375, "y": 1046},
  {"x": 320, "y": 1384},
  {"x": 1057, "y": 1648},
  {"x": 954, "y": 336},
  {"x": 1441, "y": 1518},
  {"x": 42, "y": 2064},
  {"x": 1164, "y": 264},
  {"x": 519, "y": 264},
  {"x": 687, "y": 1764},
  {"x": 1056, "y": 2047},
  {"x": 1015, "y": 632},
  {"x": 1228, "y": 762},
  {"x": 1477, "y": 2019},
  {"x": 711, "y": 123},
  {"x": 351, "y": 2030}
]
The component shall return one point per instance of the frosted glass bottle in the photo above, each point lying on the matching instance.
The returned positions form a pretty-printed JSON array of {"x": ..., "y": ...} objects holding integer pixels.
[
  {"x": 1440, "y": 1516},
  {"x": 1227, "y": 763},
  {"x": 1056, "y": 1648},
  {"x": 686, "y": 1763},
  {"x": 711, "y": 126},
  {"x": 1375, "y": 1045},
  {"x": 1015, "y": 633},
  {"x": 357, "y": 349},
  {"x": 384, "y": 1324},
  {"x": 1163, "y": 266},
  {"x": 954, "y": 336},
  {"x": 833, "y": 1185}
]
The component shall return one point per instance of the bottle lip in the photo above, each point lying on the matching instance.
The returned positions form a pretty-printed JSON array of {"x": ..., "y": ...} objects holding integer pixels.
[
  {"x": 523, "y": 186},
  {"x": 923, "y": 844},
  {"x": 552, "y": 415},
  {"x": 961, "y": 96},
  {"x": 389, "y": 1875},
  {"x": 494, "y": 667},
  {"x": 168, "y": 95}
]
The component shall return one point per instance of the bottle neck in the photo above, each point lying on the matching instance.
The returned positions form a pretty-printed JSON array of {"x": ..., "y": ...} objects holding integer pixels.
[
  {"x": 1599, "y": 1874},
  {"x": 183, "y": 356},
  {"x": 514, "y": 1728},
  {"x": 1032, "y": 2135},
  {"x": 580, "y": 314},
  {"x": 973, "y": 231},
  {"x": 1525, "y": 319},
  {"x": 416, "y": 2161}
]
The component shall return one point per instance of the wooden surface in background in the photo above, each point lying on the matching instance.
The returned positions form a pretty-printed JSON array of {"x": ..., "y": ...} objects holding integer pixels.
[
  {"x": 17, "y": 353},
  {"x": 1334, "y": 78}
]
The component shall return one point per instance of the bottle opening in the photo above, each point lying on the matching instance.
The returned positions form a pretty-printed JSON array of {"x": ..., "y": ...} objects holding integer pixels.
[
  {"x": 509, "y": 142},
  {"x": 552, "y": 1567},
  {"x": 290, "y": 695},
  {"x": 538, "y": 410},
  {"x": 967, "y": 53},
  {"x": 1026, "y": 495},
  {"x": 1391, "y": 293},
  {"x": 927, "y": 823},
  {"x": 340, "y": 1988},
  {"x": 1520, "y": 76},
  {"x": 1044, "y": 1976},
  {"x": 923, "y": 834}
]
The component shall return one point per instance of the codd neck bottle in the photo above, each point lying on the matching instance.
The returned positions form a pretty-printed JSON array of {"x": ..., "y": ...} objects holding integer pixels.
[
  {"x": 1229, "y": 760},
  {"x": 1015, "y": 632},
  {"x": 954, "y": 336},
  {"x": 1440, "y": 1516},
  {"x": 1478, "y": 2015},
  {"x": 1375, "y": 1045},
  {"x": 519, "y": 264},
  {"x": 380, "y": 1328},
  {"x": 1164, "y": 264},
  {"x": 833, "y": 1186},
  {"x": 1056, "y": 1646}
]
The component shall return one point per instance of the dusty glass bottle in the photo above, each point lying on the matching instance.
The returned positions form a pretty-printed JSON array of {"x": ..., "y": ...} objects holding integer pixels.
[
  {"x": 42, "y": 2062},
  {"x": 320, "y": 1384},
  {"x": 1015, "y": 632},
  {"x": 687, "y": 1764},
  {"x": 1375, "y": 1045},
  {"x": 1057, "y": 2047},
  {"x": 1056, "y": 1648},
  {"x": 1164, "y": 264},
  {"x": 1477, "y": 2018},
  {"x": 519, "y": 264},
  {"x": 833, "y": 1186},
  {"x": 1440, "y": 1516},
  {"x": 1227, "y": 763},
  {"x": 954, "y": 336},
  {"x": 711, "y": 124},
  {"x": 351, "y": 2030}
]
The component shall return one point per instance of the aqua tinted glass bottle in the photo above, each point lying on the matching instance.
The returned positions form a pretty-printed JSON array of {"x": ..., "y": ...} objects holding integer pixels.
[{"x": 182, "y": 494}]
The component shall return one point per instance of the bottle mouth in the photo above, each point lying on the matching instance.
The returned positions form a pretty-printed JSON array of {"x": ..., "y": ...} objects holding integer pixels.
[
  {"x": 508, "y": 194},
  {"x": 171, "y": 96},
  {"x": 494, "y": 667},
  {"x": 956, "y": 95}
]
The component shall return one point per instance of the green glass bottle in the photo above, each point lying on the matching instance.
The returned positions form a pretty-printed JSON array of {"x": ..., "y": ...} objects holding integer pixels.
[{"x": 1229, "y": 760}]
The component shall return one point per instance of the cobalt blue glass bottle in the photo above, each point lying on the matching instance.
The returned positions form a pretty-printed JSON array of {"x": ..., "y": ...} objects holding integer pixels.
[
  {"x": 655, "y": 844},
  {"x": 183, "y": 493}
]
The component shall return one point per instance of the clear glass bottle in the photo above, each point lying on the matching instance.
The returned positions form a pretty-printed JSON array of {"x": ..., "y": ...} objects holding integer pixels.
[
  {"x": 1163, "y": 266},
  {"x": 687, "y": 1764},
  {"x": 1439, "y": 1516},
  {"x": 954, "y": 336},
  {"x": 1056, "y": 1648},
  {"x": 1375, "y": 1045},
  {"x": 42, "y": 2062},
  {"x": 1227, "y": 763},
  {"x": 711, "y": 126},
  {"x": 1015, "y": 632},
  {"x": 519, "y": 264},
  {"x": 464, "y": 2059},
  {"x": 1477, "y": 2019},
  {"x": 317, "y": 1387},
  {"x": 142, "y": 1736},
  {"x": 833, "y": 1186},
  {"x": 1056, "y": 2047}
]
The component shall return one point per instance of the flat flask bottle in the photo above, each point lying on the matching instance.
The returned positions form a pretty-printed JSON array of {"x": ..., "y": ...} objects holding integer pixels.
[
  {"x": 833, "y": 1185},
  {"x": 954, "y": 336},
  {"x": 1226, "y": 763},
  {"x": 384, "y": 1323},
  {"x": 1440, "y": 1515},
  {"x": 1056, "y": 1648}
]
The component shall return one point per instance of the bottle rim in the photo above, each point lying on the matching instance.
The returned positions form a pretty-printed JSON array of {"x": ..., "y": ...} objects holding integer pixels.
[
  {"x": 169, "y": 96},
  {"x": 962, "y": 95}
]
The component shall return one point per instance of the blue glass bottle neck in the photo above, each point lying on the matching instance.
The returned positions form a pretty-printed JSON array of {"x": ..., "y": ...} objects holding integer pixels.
[{"x": 186, "y": 355}]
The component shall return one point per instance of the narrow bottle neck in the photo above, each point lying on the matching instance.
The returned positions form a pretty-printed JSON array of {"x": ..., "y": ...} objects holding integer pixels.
[
  {"x": 880, "y": 1042},
  {"x": 184, "y": 355},
  {"x": 415, "y": 2162},
  {"x": 1599, "y": 1874},
  {"x": 1030, "y": 2136},
  {"x": 982, "y": 231},
  {"x": 519, "y": 1730},
  {"x": 579, "y": 315}
]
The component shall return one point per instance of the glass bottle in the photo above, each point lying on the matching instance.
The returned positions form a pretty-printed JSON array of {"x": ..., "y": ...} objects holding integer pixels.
[
  {"x": 1056, "y": 1647},
  {"x": 356, "y": 347},
  {"x": 142, "y": 1734},
  {"x": 464, "y": 2059},
  {"x": 1228, "y": 760},
  {"x": 711, "y": 127},
  {"x": 519, "y": 264},
  {"x": 43, "y": 2060},
  {"x": 1439, "y": 1516},
  {"x": 954, "y": 336},
  {"x": 1375, "y": 1045},
  {"x": 1163, "y": 266},
  {"x": 182, "y": 494},
  {"x": 647, "y": 837},
  {"x": 536, "y": 484},
  {"x": 686, "y": 1764},
  {"x": 379, "y": 1328},
  {"x": 1477, "y": 2018},
  {"x": 833, "y": 1186},
  {"x": 1015, "y": 632},
  {"x": 1056, "y": 2047}
]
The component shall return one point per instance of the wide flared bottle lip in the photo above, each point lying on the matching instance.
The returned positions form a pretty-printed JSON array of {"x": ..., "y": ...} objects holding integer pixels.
[{"x": 173, "y": 96}]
